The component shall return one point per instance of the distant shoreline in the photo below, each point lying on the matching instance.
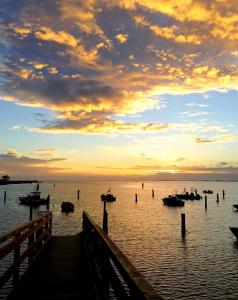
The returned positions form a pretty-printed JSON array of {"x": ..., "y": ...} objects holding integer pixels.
[{"x": 17, "y": 182}]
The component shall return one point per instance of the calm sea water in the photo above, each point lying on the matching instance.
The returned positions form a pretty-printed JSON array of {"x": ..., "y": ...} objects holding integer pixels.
[{"x": 203, "y": 266}]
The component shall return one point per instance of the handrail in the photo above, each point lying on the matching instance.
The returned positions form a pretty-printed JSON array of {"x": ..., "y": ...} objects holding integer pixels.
[
  {"x": 38, "y": 232},
  {"x": 114, "y": 266}
]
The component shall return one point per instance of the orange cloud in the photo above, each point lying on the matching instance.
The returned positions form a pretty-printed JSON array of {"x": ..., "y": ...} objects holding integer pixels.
[
  {"x": 60, "y": 37},
  {"x": 122, "y": 38}
]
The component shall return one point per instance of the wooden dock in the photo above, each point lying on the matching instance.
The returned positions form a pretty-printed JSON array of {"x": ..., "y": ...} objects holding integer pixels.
[
  {"x": 60, "y": 274},
  {"x": 85, "y": 266}
]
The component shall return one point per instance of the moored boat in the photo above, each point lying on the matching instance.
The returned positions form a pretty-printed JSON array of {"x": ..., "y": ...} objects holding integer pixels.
[
  {"x": 34, "y": 198},
  {"x": 234, "y": 230},
  {"x": 67, "y": 207},
  {"x": 189, "y": 196},
  {"x": 108, "y": 197},
  {"x": 235, "y": 206},
  {"x": 208, "y": 192},
  {"x": 173, "y": 201}
]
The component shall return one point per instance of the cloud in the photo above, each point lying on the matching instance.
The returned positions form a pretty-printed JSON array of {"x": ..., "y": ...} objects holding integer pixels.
[
  {"x": 199, "y": 140},
  {"x": 60, "y": 37},
  {"x": 75, "y": 57},
  {"x": 101, "y": 125},
  {"x": 16, "y": 164},
  {"x": 197, "y": 104},
  {"x": 122, "y": 38}
]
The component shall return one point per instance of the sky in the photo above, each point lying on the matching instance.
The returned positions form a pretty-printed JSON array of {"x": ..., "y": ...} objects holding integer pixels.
[{"x": 119, "y": 89}]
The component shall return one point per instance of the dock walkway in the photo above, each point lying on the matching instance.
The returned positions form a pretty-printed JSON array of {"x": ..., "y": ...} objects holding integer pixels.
[
  {"x": 60, "y": 274},
  {"x": 86, "y": 266}
]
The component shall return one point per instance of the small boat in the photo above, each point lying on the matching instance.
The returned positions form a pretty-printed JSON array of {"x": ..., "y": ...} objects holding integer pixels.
[
  {"x": 234, "y": 230},
  {"x": 108, "y": 196},
  {"x": 34, "y": 198},
  {"x": 173, "y": 201},
  {"x": 189, "y": 196},
  {"x": 67, "y": 207},
  {"x": 235, "y": 206},
  {"x": 208, "y": 192}
]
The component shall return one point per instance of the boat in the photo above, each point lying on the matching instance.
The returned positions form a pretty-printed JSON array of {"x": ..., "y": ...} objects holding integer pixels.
[
  {"x": 173, "y": 201},
  {"x": 34, "y": 198},
  {"x": 208, "y": 192},
  {"x": 234, "y": 230},
  {"x": 235, "y": 206},
  {"x": 67, "y": 207},
  {"x": 108, "y": 197},
  {"x": 189, "y": 196}
]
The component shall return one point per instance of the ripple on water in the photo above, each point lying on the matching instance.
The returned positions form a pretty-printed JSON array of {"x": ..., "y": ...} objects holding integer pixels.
[{"x": 203, "y": 266}]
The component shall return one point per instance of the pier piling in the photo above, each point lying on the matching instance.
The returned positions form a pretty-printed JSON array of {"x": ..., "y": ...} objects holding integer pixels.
[
  {"x": 153, "y": 193},
  {"x": 48, "y": 203},
  {"x": 217, "y": 198},
  {"x": 105, "y": 218},
  {"x": 205, "y": 202},
  {"x": 223, "y": 194},
  {"x": 183, "y": 225},
  {"x": 30, "y": 210},
  {"x": 78, "y": 194},
  {"x": 5, "y": 196},
  {"x": 136, "y": 198}
]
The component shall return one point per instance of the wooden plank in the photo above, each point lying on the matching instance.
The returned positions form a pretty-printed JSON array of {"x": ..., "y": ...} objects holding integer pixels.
[{"x": 62, "y": 273}]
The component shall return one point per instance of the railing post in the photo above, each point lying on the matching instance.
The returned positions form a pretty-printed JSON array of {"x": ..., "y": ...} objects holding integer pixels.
[
  {"x": 183, "y": 226},
  {"x": 105, "y": 218},
  {"x": 30, "y": 210},
  {"x": 30, "y": 241},
  {"x": 16, "y": 257}
]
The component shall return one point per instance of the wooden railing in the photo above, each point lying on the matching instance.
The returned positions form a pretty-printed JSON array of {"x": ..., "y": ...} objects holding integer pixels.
[
  {"x": 33, "y": 237},
  {"x": 113, "y": 272}
]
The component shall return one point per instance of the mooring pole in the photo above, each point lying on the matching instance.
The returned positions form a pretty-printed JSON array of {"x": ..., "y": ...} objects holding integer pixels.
[
  {"x": 217, "y": 198},
  {"x": 105, "y": 218},
  {"x": 30, "y": 209},
  {"x": 48, "y": 203},
  {"x": 136, "y": 198},
  {"x": 5, "y": 196},
  {"x": 205, "y": 202},
  {"x": 223, "y": 194},
  {"x": 183, "y": 225},
  {"x": 78, "y": 194},
  {"x": 153, "y": 193}
]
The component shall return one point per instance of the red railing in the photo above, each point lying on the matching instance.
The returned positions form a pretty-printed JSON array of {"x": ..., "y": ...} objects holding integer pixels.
[{"x": 33, "y": 236}]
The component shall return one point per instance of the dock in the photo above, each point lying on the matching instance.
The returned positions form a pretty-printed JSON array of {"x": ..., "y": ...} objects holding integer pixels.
[
  {"x": 87, "y": 266},
  {"x": 6, "y": 182}
]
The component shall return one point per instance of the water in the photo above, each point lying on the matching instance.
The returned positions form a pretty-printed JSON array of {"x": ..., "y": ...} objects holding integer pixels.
[{"x": 203, "y": 266}]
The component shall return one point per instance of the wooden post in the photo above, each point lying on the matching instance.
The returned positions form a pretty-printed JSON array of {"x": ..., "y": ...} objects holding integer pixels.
[
  {"x": 105, "y": 218},
  {"x": 223, "y": 194},
  {"x": 142, "y": 185},
  {"x": 48, "y": 203},
  {"x": 217, "y": 198},
  {"x": 30, "y": 210},
  {"x": 16, "y": 257},
  {"x": 78, "y": 194},
  {"x": 183, "y": 225},
  {"x": 136, "y": 198},
  {"x": 5, "y": 196},
  {"x": 205, "y": 202},
  {"x": 153, "y": 193}
]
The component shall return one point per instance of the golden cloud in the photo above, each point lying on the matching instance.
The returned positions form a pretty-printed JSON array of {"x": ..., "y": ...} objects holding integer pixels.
[
  {"x": 60, "y": 37},
  {"x": 122, "y": 38}
]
